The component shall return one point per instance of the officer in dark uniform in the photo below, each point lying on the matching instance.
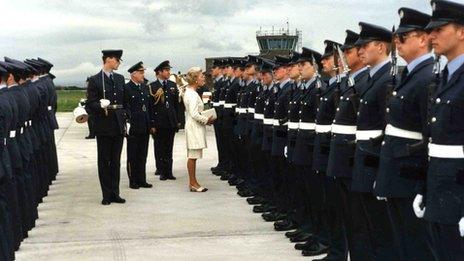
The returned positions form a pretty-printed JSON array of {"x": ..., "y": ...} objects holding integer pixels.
[
  {"x": 403, "y": 156},
  {"x": 279, "y": 138},
  {"x": 218, "y": 80},
  {"x": 374, "y": 42},
  {"x": 243, "y": 130},
  {"x": 7, "y": 243},
  {"x": 311, "y": 231},
  {"x": 342, "y": 146},
  {"x": 224, "y": 118},
  {"x": 294, "y": 186},
  {"x": 256, "y": 138},
  {"x": 324, "y": 118},
  {"x": 444, "y": 198},
  {"x": 165, "y": 110},
  {"x": 106, "y": 101},
  {"x": 138, "y": 95},
  {"x": 230, "y": 115},
  {"x": 15, "y": 83}
]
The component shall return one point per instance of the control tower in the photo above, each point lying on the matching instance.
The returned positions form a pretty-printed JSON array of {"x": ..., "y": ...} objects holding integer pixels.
[{"x": 278, "y": 41}]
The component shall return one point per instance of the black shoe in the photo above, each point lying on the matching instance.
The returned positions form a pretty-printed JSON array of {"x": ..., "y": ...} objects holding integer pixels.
[
  {"x": 306, "y": 245},
  {"x": 263, "y": 208},
  {"x": 171, "y": 177},
  {"x": 163, "y": 177},
  {"x": 273, "y": 216},
  {"x": 245, "y": 193},
  {"x": 134, "y": 186},
  {"x": 90, "y": 137},
  {"x": 118, "y": 200},
  {"x": 106, "y": 202},
  {"x": 259, "y": 209},
  {"x": 225, "y": 176},
  {"x": 256, "y": 200},
  {"x": 284, "y": 225},
  {"x": 295, "y": 233},
  {"x": 303, "y": 237},
  {"x": 315, "y": 250},
  {"x": 146, "y": 185}
]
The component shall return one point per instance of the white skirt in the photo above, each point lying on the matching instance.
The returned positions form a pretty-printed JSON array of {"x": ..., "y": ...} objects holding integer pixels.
[{"x": 194, "y": 153}]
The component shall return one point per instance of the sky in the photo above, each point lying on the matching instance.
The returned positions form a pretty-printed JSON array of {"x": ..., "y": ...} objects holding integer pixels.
[{"x": 72, "y": 33}]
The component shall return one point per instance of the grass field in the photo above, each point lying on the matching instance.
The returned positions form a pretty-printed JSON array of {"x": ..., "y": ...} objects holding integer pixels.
[{"x": 68, "y": 99}]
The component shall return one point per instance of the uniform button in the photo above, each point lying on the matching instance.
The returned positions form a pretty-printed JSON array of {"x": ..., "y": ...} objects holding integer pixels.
[
  {"x": 114, "y": 93},
  {"x": 338, "y": 109},
  {"x": 388, "y": 110},
  {"x": 383, "y": 143},
  {"x": 438, "y": 100},
  {"x": 333, "y": 121},
  {"x": 394, "y": 93},
  {"x": 434, "y": 119},
  {"x": 361, "y": 100},
  {"x": 357, "y": 113},
  {"x": 430, "y": 139},
  {"x": 299, "y": 112}
]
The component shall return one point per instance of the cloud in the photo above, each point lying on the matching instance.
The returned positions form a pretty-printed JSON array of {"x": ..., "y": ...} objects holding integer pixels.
[{"x": 71, "y": 33}]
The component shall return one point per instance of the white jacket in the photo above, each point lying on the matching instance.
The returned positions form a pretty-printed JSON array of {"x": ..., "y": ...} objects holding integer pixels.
[{"x": 195, "y": 129}]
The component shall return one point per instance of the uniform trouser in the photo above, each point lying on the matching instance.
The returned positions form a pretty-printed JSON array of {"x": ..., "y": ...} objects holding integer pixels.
[
  {"x": 318, "y": 201},
  {"x": 447, "y": 244},
  {"x": 380, "y": 230},
  {"x": 90, "y": 124},
  {"x": 258, "y": 161},
  {"x": 53, "y": 158},
  {"x": 357, "y": 234},
  {"x": 109, "y": 164},
  {"x": 278, "y": 184},
  {"x": 334, "y": 217},
  {"x": 246, "y": 168},
  {"x": 6, "y": 232},
  {"x": 227, "y": 137},
  {"x": 137, "y": 151},
  {"x": 219, "y": 143},
  {"x": 410, "y": 232},
  {"x": 301, "y": 194},
  {"x": 9, "y": 190},
  {"x": 164, "y": 143}
]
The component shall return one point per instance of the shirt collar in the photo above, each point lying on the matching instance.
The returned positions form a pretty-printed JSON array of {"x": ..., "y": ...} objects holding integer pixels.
[
  {"x": 13, "y": 85},
  {"x": 417, "y": 61},
  {"x": 454, "y": 65},
  {"x": 332, "y": 80},
  {"x": 108, "y": 73},
  {"x": 250, "y": 81},
  {"x": 353, "y": 75},
  {"x": 2, "y": 86},
  {"x": 136, "y": 84},
  {"x": 218, "y": 78},
  {"x": 376, "y": 68},
  {"x": 282, "y": 84},
  {"x": 308, "y": 83}
]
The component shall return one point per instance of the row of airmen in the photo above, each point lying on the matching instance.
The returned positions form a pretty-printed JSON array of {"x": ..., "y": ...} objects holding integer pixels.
[
  {"x": 362, "y": 162},
  {"x": 28, "y": 159}
]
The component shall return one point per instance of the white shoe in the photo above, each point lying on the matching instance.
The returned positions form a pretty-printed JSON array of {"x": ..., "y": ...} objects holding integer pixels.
[{"x": 199, "y": 189}]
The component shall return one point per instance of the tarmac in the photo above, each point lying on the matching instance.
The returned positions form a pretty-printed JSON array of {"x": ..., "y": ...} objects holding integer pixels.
[{"x": 166, "y": 222}]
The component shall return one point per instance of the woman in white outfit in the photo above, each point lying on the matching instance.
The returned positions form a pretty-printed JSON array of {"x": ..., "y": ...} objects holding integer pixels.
[{"x": 195, "y": 129}]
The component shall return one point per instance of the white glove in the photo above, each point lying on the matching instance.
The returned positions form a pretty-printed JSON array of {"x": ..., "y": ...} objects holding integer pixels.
[
  {"x": 461, "y": 227},
  {"x": 416, "y": 205},
  {"x": 104, "y": 103},
  {"x": 127, "y": 127},
  {"x": 286, "y": 152}
]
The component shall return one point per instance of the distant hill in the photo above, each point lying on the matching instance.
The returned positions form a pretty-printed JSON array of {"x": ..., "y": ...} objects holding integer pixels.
[{"x": 72, "y": 87}]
